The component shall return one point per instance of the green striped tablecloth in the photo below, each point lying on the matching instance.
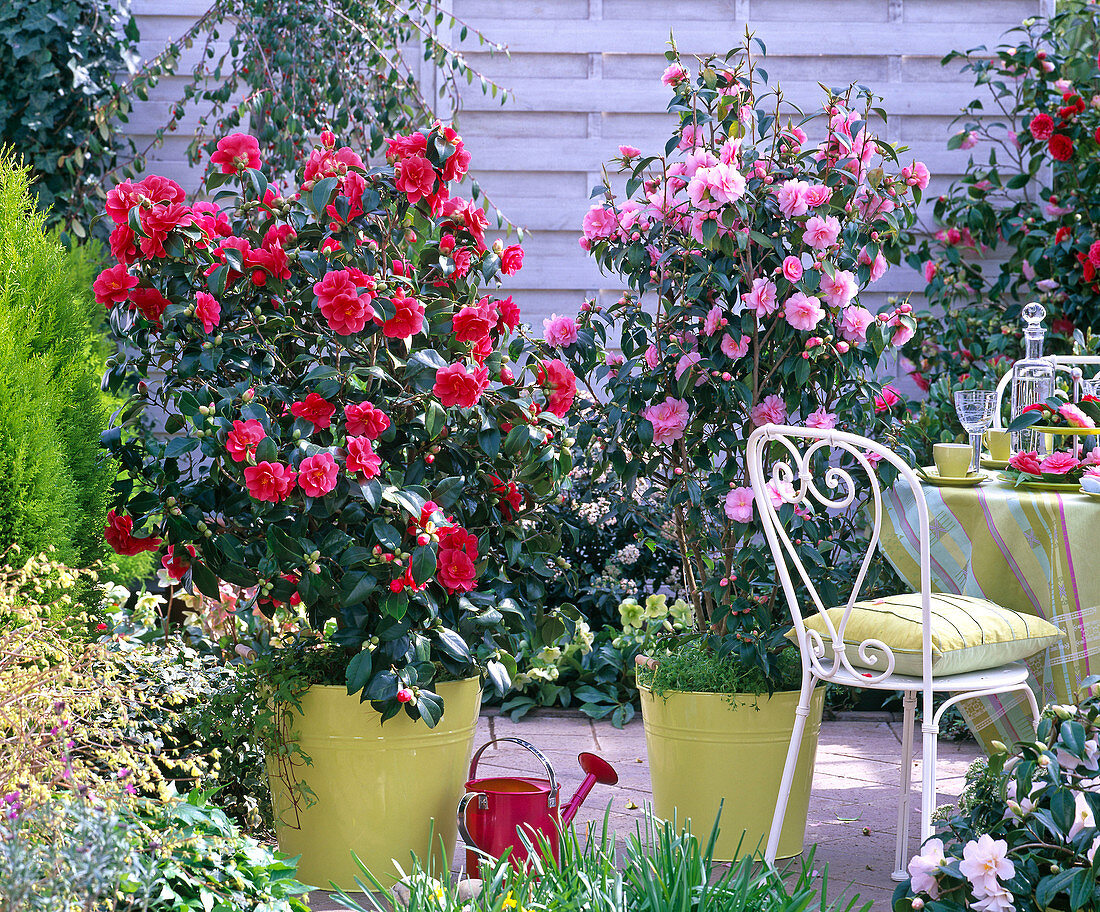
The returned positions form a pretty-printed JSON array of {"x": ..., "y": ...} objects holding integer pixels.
[{"x": 1033, "y": 551}]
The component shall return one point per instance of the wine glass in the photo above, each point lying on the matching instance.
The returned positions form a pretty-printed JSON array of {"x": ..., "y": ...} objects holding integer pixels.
[{"x": 975, "y": 411}]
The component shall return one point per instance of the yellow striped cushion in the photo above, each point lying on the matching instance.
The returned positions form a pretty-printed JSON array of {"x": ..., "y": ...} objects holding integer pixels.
[{"x": 968, "y": 634}]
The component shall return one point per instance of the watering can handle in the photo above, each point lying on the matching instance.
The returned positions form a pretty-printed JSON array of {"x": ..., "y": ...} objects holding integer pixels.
[
  {"x": 463, "y": 830},
  {"x": 527, "y": 746}
]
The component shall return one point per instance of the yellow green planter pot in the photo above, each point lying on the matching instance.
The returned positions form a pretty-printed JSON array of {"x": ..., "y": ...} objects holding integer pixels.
[
  {"x": 379, "y": 790},
  {"x": 704, "y": 751}
]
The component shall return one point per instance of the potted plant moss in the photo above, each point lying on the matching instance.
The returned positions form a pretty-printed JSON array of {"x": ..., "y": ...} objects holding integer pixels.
[{"x": 744, "y": 248}]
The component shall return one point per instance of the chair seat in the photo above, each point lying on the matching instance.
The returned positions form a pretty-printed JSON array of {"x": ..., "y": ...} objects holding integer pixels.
[{"x": 988, "y": 679}]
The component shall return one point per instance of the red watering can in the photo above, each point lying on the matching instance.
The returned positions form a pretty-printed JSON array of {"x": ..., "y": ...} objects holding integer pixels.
[{"x": 493, "y": 808}]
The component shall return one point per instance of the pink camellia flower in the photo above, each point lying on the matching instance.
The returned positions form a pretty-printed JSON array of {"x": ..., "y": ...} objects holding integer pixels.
[
  {"x": 999, "y": 900},
  {"x": 629, "y": 152},
  {"x": 1075, "y": 417},
  {"x": 207, "y": 310},
  {"x": 652, "y": 358},
  {"x": 560, "y": 331},
  {"x": 762, "y": 298},
  {"x": 241, "y": 442},
  {"x": 713, "y": 321},
  {"x": 1026, "y": 462},
  {"x": 725, "y": 183},
  {"x": 511, "y": 260},
  {"x": 792, "y": 269},
  {"x": 822, "y": 233},
  {"x": 317, "y": 474},
  {"x": 968, "y": 141},
  {"x": 838, "y": 289},
  {"x": 599, "y": 223},
  {"x": 803, "y": 311},
  {"x": 791, "y": 197},
  {"x": 772, "y": 410},
  {"x": 854, "y": 323},
  {"x": 473, "y": 322},
  {"x": 112, "y": 286},
  {"x": 739, "y": 505},
  {"x": 236, "y": 152},
  {"x": 669, "y": 419},
  {"x": 1058, "y": 464},
  {"x": 985, "y": 862},
  {"x": 415, "y": 178},
  {"x": 454, "y": 385},
  {"x": 673, "y": 75},
  {"x": 887, "y": 399},
  {"x": 177, "y": 564},
  {"x": 364, "y": 420},
  {"x": 269, "y": 481},
  {"x": 315, "y": 409},
  {"x": 779, "y": 493},
  {"x": 345, "y": 308},
  {"x": 903, "y": 330},
  {"x": 686, "y": 363},
  {"x": 560, "y": 383},
  {"x": 408, "y": 320},
  {"x": 821, "y": 419},
  {"x": 1092, "y": 457},
  {"x": 733, "y": 348},
  {"x": 818, "y": 195},
  {"x": 878, "y": 264},
  {"x": 924, "y": 867},
  {"x": 930, "y": 269},
  {"x": 361, "y": 459}
]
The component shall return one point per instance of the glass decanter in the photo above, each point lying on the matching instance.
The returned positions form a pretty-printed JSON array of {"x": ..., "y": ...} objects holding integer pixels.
[{"x": 1032, "y": 377}]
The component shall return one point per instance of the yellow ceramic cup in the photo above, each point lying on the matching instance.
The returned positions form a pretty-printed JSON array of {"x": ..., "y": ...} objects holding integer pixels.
[
  {"x": 952, "y": 459},
  {"x": 999, "y": 444}
]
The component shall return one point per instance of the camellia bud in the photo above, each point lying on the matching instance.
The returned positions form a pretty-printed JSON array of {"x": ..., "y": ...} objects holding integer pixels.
[
  {"x": 498, "y": 246},
  {"x": 404, "y": 695},
  {"x": 410, "y": 236}
]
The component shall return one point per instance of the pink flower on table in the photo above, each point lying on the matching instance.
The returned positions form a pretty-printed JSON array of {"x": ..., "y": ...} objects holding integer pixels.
[
  {"x": 269, "y": 481},
  {"x": 1092, "y": 458},
  {"x": 317, "y": 474},
  {"x": 821, "y": 419},
  {"x": 735, "y": 348},
  {"x": 669, "y": 419},
  {"x": 792, "y": 269},
  {"x": 599, "y": 223},
  {"x": 1075, "y": 417},
  {"x": 762, "y": 298},
  {"x": 361, "y": 458},
  {"x": 854, "y": 323},
  {"x": 985, "y": 862},
  {"x": 822, "y": 233},
  {"x": 818, "y": 195},
  {"x": 241, "y": 442},
  {"x": 839, "y": 289},
  {"x": 1058, "y": 464},
  {"x": 924, "y": 867},
  {"x": 887, "y": 399},
  {"x": 713, "y": 321},
  {"x": 1025, "y": 462},
  {"x": 629, "y": 152},
  {"x": 739, "y": 505},
  {"x": 560, "y": 331},
  {"x": 652, "y": 358},
  {"x": 673, "y": 75},
  {"x": 791, "y": 197},
  {"x": 803, "y": 311},
  {"x": 772, "y": 410},
  {"x": 236, "y": 152},
  {"x": 364, "y": 420},
  {"x": 207, "y": 310}
]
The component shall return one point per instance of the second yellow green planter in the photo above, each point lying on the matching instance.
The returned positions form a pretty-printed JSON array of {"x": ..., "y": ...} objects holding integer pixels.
[{"x": 709, "y": 749}]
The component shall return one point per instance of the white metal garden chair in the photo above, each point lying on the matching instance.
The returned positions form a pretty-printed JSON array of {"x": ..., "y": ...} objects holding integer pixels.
[
  {"x": 1088, "y": 367},
  {"x": 804, "y": 458}
]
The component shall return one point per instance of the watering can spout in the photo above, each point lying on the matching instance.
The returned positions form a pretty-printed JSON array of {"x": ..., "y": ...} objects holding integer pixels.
[{"x": 596, "y": 770}]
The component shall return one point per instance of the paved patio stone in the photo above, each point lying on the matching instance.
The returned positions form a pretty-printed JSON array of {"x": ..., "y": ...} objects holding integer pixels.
[{"x": 853, "y": 809}]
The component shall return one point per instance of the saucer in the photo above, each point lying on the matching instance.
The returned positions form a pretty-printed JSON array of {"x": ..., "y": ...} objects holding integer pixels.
[
  {"x": 990, "y": 463},
  {"x": 931, "y": 475},
  {"x": 1094, "y": 494}
]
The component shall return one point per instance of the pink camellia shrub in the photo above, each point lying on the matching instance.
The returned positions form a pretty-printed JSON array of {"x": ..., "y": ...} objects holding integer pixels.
[{"x": 350, "y": 437}]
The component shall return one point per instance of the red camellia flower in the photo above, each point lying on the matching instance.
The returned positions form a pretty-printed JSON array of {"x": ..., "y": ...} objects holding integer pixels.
[
  {"x": 455, "y": 386},
  {"x": 920, "y": 380},
  {"x": 364, "y": 420},
  {"x": 511, "y": 261},
  {"x": 1028, "y": 463},
  {"x": 269, "y": 481},
  {"x": 120, "y": 200},
  {"x": 474, "y": 322},
  {"x": 241, "y": 442},
  {"x": 361, "y": 459},
  {"x": 122, "y": 245},
  {"x": 177, "y": 564},
  {"x": 157, "y": 189},
  {"x": 1042, "y": 127},
  {"x": 317, "y": 474},
  {"x": 207, "y": 311},
  {"x": 112, "y": 286},
  {"x": 509, "y": 315},
  {"x": 1062, "y": 326},
  {"x": 156, "y": 222},
  {"x": 236, "y": 152},
  {"x": 314, "y": 409},
  {"x": 408, "y": 320},
  {"x": 340, "y": 301},
  {"x": 416, "y": 178},
  {"x": 119, "y": 535},
  {"x": 150, "y": 302},
  {"x": 887, "y": 399},
  {"x": 510, "y": 497},
  {"x": 210, "y": 219},
  {"x": 267, "y": 261},
  {"x": 562, "y": 384},
  {"x": 455, "y": 560},
  {"x": 1061, "y": 147}
]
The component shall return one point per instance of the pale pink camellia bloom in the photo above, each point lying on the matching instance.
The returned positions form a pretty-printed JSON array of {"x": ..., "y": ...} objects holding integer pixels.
[
  {"x": 917, "y": 175},
  {"x": 695, "y": 160},
  {"x": 903, "y": 332},
  {"x": 1091, "y": 854},
  {"x": 803, "y": 311},
  {"x": 968, "y": 141},
  {"x": 985, "y": 862},
  {"x": 772, "y": 410},
  {"x": 690, "y": 137},
  {"x": 1092, "y": 457},
  {"x": 878, "y": 264},
  {"x": 1052, "y": 210},
  {"x": 560, "y": 331},
  {"x": 923, "y": 868},
  {"x": 713, "y": 321},
  {"x": 1062, "y": 85},
  {"x": 792, "y": 269},
  {"x": 629, "y": 152},
  {"x": 999, "y": 900},
  {"x": 726, "y": 183},
  {"x": 1075, "y": 417},
  {"x": 1028, "y": 270},
  {"x": 791, "y": 196},
  {"x": 822, "y": 233},
  {"x": 887, "y": 399},
  {"x": 1058, "y": 464},
  {"x": 614, "y": 359},
  {"x": 821, "y": 419},
  {"x": 839, "y": 289},
  {"x": 797, "y": 134},
  {"x": 854, "y": 323},
  {"x": 686, "y": 363},
  {"x": 739, "y": 505},
  {"x": 698, "y": 191},
  {"x": 652, "y": 359},
  {"x": 631, "y": 215},
  {"x": 599, "y": 223},
  {"x": 732, "y": 348},
  {"x": 780, "y": 492},
  {"x": 669, "y": 419},
  {"x": 762, "y": 298},
  {"x": 673, "y": 75},
  {"x": 730, "y": 153},
  {"x": 817, "y": 195}
]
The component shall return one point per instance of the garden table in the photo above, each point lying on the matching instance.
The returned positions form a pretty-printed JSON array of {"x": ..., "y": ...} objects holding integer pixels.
[{"x": 1037, "y": 552}]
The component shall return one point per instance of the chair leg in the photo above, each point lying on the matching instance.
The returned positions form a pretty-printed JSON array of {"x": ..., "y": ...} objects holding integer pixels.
[
  {"x": 928, "y": 765},
  {"x": 802, "y": 712},
  {"x": 905, "y": 802}
]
